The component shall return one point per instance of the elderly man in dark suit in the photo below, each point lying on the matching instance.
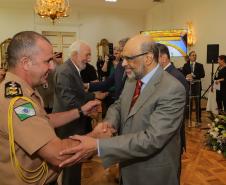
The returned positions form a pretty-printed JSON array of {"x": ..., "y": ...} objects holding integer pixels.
[
  {"x": 147, "y": 115},
  {"x": 68, "y": 94},
  {"x": 194, "y": 71}
]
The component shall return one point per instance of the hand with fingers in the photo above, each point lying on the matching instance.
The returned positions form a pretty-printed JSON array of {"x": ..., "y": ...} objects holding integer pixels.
[
  {"x": 100, "y": 95},
  {"x": 103, "y": 130},
  {"x": 86, "y": 149},
  {"x": 86, "y": 86},
  {"x": 91, "y": 106},
  {"x": 96, "y": 113}
]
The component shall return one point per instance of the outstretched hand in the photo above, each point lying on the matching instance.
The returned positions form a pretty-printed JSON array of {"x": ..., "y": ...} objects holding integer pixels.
[
  {"x": 86, "y": 149},
  {"x": 100, "y": 95},
  {"x": 91, "y": 106},
  {"x": 102, "y": 130}
]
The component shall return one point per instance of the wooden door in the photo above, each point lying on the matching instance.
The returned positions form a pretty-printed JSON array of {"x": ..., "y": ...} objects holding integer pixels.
[{"x": 60, "y": 41}]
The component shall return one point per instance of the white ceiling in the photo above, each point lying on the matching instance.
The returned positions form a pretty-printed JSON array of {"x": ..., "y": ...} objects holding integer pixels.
[{"x": 121, "y": 4}]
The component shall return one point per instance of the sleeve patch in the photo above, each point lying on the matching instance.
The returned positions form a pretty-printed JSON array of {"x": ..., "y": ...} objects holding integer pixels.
[{"x": 25, "y": 111}]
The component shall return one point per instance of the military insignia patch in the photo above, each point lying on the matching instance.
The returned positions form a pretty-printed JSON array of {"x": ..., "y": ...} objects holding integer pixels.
[
  {"x": 13, "y": 89},
  {"x": 25, "y": 111}
]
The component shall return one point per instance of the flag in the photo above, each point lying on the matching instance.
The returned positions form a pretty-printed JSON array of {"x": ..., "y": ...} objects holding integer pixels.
[{"x": 25, "y": 111}]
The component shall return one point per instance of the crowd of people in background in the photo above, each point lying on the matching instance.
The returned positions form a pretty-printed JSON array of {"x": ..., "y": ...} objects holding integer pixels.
[{"x": 145, "y": 101}]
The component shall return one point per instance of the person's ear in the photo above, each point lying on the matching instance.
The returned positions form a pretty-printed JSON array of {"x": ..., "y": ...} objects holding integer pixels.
[
  {"x": 74, "y": 55},
  {"x": 149, "y": 59},
  {"x": 26, "y": 63}
]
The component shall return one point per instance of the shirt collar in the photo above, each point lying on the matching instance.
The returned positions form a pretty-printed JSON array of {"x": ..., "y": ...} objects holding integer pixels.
[
  {"x": 148, "y": 76},
  {"x": 76, "y": 67},
  {"x": 169, "y": 64}
]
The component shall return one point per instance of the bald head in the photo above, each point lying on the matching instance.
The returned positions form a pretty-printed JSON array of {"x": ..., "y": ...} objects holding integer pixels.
[
  {"x": 134, "y": 44},
  {"x": 140, "y": 56},
  {"x": 141, "y": 44}
]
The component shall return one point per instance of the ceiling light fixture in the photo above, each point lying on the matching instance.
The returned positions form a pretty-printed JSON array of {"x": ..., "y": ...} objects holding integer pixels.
[
  {"x": 53, "y": 9},
  {"x": 111, "y": 0}
]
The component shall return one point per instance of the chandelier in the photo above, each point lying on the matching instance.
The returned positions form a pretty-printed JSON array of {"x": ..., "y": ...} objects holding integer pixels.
[{"x": 53, "y": 9}]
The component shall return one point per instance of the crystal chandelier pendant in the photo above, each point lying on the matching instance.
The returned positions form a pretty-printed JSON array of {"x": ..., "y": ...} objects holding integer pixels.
[{"x": 53, "y": 9}]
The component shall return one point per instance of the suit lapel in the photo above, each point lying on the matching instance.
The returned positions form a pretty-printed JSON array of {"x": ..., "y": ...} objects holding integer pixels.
[
  {"x": 170, "y": 68},
  {"x": 129, "y": 95},
  {"x": 72, "y": 67},
  {"x": 146, "y": 93},
  {"x": 74, "y": 71}
]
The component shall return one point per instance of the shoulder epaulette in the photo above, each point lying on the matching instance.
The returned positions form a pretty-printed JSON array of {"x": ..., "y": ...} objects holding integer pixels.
[{"x": 13, "y": 89}]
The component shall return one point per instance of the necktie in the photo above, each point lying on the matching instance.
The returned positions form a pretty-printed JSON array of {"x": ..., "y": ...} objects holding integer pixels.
[
  {"x": 136, "y": 93},
  {"x": 192, "y": 67}
]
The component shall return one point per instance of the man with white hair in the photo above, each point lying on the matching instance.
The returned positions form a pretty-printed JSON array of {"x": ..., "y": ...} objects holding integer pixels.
[{"x": 68, "y": 94}]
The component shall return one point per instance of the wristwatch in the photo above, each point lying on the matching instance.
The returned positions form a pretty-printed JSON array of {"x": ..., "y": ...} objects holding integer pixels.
[{"x": 80, "y": 112}]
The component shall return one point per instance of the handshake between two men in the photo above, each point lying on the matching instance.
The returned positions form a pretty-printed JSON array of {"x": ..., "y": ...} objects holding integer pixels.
[{"x": 87, "y": 146}]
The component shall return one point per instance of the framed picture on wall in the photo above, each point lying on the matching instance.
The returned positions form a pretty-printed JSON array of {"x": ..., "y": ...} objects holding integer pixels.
[
  {"x": 175, "y": 40},
  {"x": 3, "y": 49}
]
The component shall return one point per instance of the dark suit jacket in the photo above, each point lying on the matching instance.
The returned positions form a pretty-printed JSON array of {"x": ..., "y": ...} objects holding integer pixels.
[
  {"x": 68, "y": 94},
  {"x": 179, "y": 76},
  {"x": 222, "y": 74},
  {"x": 148, "y": 147},
  {"x": 116, "y": 79},
  {"x": 199, "y": 73},
  {"x": 88, "y": 74}
]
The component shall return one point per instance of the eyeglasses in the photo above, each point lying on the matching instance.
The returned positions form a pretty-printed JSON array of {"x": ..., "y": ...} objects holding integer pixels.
[{"x": 133, "y": 57}]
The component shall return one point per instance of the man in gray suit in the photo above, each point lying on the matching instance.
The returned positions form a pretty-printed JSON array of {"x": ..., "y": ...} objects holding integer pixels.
[
  {"x": 148, "y": 146},
  {"x": 68, "y": 94}
]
